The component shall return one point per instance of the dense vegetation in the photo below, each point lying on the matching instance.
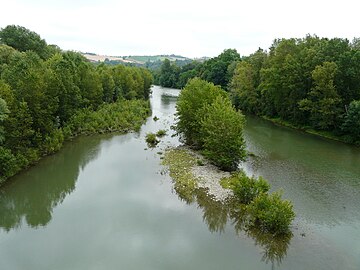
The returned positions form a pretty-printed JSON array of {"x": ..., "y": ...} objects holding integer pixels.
[
  {"x": 217, "y": 70},
  {"x": 48, "y": 95},
  {"x": 208, "y": 121},
  {"x": 268, "y": 212},
  {"x": 310, "y": 83}
]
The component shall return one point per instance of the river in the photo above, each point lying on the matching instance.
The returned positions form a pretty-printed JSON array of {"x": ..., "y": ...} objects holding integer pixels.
[{"x": 104, "y": 202}]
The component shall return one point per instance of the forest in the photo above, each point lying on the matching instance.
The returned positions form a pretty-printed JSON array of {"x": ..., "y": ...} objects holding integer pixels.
[
  {"x": 48, "y": 96},
  {"x": 311, "y": 83}
]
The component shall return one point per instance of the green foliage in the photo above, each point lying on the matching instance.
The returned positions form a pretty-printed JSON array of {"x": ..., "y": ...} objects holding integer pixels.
[
  {"x": 221, "y": 134},
  {"x": 259, "y": 214},
  {"x": 23, "y": 40},
  {"x": 161, "y": 133},
  {"x": 207, "y": 120},
  {"x": 8, "y": 164},
  {"x": 306, "y": 82},
  {"x": 351, "y": 125},
  {"x": 3, "y": 115},
  {"x": 271, "y": 213},
  {"x": 122, "y": 116},
  {"x": 151, "y": 139},
  {"x": 323, "y": 101},
  {"x": 217, "y": 71},
  {"x": 190, "y": 105},
  {"x": 242, "y": 88},
  {"x": 47, "y": 96},
  {"x": 168, "y": 74},
  {"x": 245, "y": 188}
]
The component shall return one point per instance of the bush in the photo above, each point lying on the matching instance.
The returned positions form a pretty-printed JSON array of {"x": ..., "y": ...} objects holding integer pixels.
[
  {"x": 221, "y": 134},
  {"x": 53, "y": 142},
  {"x": 270, "y": 213},
  {"x": 245, "y": 188},
  {"x": 151, "y": 139},
  {"x": 161, "y": 133},
  {"x": 8, "y": 164}
]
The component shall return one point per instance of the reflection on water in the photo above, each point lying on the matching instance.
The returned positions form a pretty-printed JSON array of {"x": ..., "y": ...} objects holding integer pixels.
[
  {"x": 217, "y": 214},
  {"x": 31, "y": 197},
  {"x": 321, "y": 177}
]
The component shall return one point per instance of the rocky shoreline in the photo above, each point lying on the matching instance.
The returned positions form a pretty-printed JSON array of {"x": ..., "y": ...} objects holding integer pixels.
[{"x": 208, "y": 176}]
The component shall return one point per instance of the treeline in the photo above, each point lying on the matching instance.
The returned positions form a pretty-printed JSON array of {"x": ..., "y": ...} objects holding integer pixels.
[
  {"x": 310, "y": 83},
  {"x": 217, "y": 70},
  {"x": 48, "y": 95}
]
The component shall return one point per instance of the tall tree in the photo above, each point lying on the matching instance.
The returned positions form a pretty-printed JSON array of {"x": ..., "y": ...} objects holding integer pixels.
[
  {"x": 323, "y": 100},
  {"x": 216, "y": 70},
  {"x": 242, "y": 88},
  {"x": 4, "y": 111},
  {"x": 221, "y": 130},
  {"x": 23, "y": 39},
  {"x": 351, "y": 125},
  {"x": 190, "y": 105}
]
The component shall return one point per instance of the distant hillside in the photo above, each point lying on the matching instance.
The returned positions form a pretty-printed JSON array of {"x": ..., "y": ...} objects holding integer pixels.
[
  {"x": 154, "y": 58},
  {"x": 138, "y": 60}
]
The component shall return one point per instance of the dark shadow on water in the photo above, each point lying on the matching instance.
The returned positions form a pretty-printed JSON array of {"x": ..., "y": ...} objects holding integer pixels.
[{"x": 32, "y": 195}]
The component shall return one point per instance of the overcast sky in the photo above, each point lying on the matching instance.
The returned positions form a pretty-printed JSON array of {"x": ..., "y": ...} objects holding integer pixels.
[{"x": 188, "y": 27}]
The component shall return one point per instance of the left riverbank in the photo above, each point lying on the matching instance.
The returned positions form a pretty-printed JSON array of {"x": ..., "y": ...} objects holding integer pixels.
[{"x": 122, "y": 116}]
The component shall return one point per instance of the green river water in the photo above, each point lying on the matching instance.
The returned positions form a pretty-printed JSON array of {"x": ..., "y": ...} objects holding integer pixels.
[{"x": 103, "y": 202}]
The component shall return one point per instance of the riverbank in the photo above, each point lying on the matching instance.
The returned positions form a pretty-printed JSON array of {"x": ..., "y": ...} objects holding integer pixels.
[
  {"x": 323, "y": 134},
  {"x": 123, "y": 116}
]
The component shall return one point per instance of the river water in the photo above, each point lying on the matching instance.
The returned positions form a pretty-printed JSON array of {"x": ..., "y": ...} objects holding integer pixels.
[{"x": 104, "y": 202}]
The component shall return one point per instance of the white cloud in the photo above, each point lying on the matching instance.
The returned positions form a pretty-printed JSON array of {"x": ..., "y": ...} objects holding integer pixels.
[{"x": 190, "y": 28}]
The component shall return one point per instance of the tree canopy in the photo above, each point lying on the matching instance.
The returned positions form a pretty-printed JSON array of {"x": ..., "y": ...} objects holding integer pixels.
[{"x": 208, "y": 121}]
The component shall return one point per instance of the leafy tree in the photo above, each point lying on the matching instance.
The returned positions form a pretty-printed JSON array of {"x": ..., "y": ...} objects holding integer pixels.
[
  {"x": 90, "y": 86},
  {"x": 8, "y": 164},
  {"x": 148, "y": 80},
  {"x": 196, "y": 94},
  {"x": 169, "y": 74},
  {"x": 3, "y": 115},
  {"x": 216, "y": 69},
  {"x": 20, "y": 134},
  {"x": 221, "y": 130},
  {"x": 242, "y": 88},
  {"x": 63, "y": 81},
  {"x": 323, "y": 100},
  {"x": 107, "y": 83},
  {"x": 23, "y": 40},
  {"x": 351, "y": 125}
]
